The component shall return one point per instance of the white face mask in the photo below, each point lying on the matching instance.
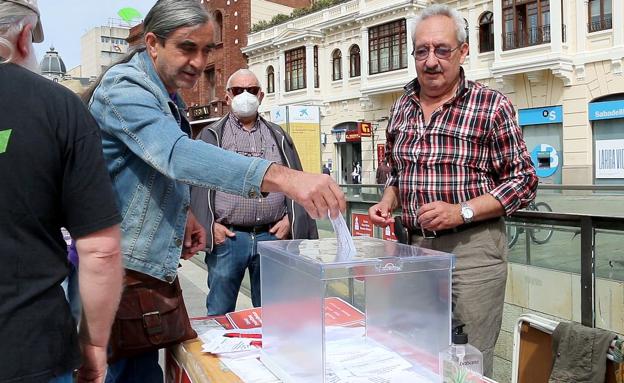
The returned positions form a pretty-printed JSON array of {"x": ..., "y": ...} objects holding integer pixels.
[{"x": 245, "y": 105}]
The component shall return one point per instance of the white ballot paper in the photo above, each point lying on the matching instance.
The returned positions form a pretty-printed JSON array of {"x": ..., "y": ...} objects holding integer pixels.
[
  {"x": 215, "y": 342},
  {"x": 346, "y": 248}
]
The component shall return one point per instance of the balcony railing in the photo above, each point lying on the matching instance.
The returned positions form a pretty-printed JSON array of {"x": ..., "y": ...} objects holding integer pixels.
[
  {"x": 526, "y": 38},
  {"x": 599, "y": 24}
]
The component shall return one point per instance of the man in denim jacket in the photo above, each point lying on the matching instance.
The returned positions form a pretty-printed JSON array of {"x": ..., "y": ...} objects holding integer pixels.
[{"x": 152, "y": 161}]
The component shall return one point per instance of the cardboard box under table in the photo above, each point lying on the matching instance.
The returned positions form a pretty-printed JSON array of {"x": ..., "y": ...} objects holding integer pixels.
[{"x": 401, "y": 319}]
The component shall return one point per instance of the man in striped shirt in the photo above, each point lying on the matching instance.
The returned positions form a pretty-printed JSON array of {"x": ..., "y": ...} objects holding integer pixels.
[{"x": 459, "y": 164}]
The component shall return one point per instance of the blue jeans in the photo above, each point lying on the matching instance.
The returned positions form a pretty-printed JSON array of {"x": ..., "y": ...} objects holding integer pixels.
[
  {"x": 65, "y": 378},
  {"x": 226, "y": 269},
  {"x": 139, "y": 369}
]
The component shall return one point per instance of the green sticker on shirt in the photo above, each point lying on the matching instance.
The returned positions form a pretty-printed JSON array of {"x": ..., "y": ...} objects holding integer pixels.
[{"x": 4, "y": 140}]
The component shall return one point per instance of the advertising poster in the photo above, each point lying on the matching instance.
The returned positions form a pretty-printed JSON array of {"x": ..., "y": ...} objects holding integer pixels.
[
  {"x": 387, "y": 233},
  {"x": 381, "y": 153},
  {"x": 609, "y": 159},
  {"x": 303, "y": 124},
  {"x": 361, "y": 225}
]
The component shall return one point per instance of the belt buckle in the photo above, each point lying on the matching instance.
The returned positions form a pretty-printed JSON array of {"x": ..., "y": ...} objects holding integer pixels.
[
  {"x": 426, "y": 234},
  {"x": 155, "y": 326}
]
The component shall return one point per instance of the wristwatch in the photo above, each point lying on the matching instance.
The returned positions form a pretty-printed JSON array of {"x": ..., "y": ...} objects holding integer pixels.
[{"x": 466, "y": 212}]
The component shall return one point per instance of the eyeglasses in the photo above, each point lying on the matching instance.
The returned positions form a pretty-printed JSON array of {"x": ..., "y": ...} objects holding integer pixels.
[
  {"x": 443, "y": 53},
  {"x": 236, "y": 90}
]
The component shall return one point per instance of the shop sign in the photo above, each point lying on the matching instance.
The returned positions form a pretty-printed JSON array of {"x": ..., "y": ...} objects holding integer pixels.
[
  {"x": 361, "y": 225},
  {"x": 381, "y": 153},
  {"x": 365, "y": 129},
  {"x": 362, "y": 129},
  {"x": 278, "y": 115},
  {"x": 352, "y": 136},
  {"x": 606, "y": 110},
  {"x": 539, "y": 116},
  {"x": 609, "y": 161},
  {"x": 545, "y": 160}
]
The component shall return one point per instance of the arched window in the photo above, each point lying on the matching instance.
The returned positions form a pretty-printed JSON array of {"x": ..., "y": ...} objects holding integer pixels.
[
  {"x": 337, "y": 65},
  {"x": 354, "y": 61},
  {"x": 218, "y": 33},
  {"x": 486, "y": 32},
  {"x": 270, "y": 79}
]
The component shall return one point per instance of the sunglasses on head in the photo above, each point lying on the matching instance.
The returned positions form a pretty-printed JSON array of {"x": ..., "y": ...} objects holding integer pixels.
[{"x": 236, "y": 90}]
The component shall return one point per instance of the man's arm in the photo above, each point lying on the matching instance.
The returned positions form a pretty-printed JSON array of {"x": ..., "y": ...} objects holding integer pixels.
[
  {"x": 381, "y": 213},
  {"x": 317, "y": 193},
  {"x": 511, "y": 161},
  {"x": 101, "y": 281}
]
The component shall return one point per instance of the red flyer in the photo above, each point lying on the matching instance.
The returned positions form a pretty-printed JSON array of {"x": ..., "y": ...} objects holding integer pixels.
[
  {"x": 388, "y": 233},
  {"x": 249, "y": 318},
  {"x": 361, "y": 225},
  {"x": 341, "y": 313}
]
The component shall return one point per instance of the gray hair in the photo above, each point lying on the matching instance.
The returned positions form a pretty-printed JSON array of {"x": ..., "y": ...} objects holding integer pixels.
[
  {"x": 442, "y": 10},
  {"x": 166, "y": 16},
  {"x": 13, "y": 19},
  {"x": 241, "y": 72}
]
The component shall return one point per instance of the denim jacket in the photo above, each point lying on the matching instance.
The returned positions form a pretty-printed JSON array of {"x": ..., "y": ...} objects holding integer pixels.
[{"x": 152, "y": 164}]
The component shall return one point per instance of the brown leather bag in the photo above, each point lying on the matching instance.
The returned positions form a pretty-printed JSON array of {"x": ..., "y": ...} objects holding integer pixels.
[{"x": 151, "y": 315}]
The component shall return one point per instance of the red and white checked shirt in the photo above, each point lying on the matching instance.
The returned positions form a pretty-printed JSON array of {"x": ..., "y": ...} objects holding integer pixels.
[{"x": 472, "y": 146}]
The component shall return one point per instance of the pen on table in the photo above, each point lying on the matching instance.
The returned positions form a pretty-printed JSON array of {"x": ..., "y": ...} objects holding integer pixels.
[{"x": 242, "y": 335}]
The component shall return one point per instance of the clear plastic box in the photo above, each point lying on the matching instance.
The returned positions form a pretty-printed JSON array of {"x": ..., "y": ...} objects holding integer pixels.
[{"x": 384, "y": 314}]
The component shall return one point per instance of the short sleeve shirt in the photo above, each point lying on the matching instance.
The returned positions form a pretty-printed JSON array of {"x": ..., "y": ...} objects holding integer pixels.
[{"x": 53, "y": 175}]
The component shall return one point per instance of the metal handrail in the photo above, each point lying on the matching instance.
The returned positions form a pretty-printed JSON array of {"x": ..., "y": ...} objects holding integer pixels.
[{"x": 586, "y": 225}]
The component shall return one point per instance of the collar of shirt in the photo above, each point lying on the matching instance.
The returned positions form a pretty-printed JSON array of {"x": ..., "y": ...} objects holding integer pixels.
[
  {"x": 236, "y": 122},
  {"x": 412, "y": 89}
]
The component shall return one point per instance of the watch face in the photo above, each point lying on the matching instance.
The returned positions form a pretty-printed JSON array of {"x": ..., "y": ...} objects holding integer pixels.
[{"x": 467, "y": 212}]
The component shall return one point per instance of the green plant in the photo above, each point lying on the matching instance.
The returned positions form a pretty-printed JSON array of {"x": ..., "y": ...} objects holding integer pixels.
[{"x": 295, "y": 14}]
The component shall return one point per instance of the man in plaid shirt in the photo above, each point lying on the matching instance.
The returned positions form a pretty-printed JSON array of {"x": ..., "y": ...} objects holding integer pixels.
[{"x": 459, "y": 164}]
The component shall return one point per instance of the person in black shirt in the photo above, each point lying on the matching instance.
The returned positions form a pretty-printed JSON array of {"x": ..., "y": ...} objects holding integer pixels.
[{"x": 53, "y": 175}]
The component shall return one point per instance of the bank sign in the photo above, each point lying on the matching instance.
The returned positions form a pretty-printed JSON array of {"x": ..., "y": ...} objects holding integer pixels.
[
  {"x": 539, "y": 116},
  {"x": 606, "y": 110},
  {"x": 610, "y": 159}
]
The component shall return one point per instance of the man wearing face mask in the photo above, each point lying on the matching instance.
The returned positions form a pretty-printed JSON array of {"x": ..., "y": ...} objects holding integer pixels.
[{"x": 234, "y": 225}]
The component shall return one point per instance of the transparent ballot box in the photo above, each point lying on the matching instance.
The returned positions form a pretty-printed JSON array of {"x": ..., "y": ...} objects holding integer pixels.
[{"x": 382, "y": 315}]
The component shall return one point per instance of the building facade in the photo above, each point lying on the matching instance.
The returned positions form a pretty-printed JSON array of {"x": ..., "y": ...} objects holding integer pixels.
[
  {"x": 53, "y": 68},
  {"x": 233, "y": 20},
  {"x": 560, "y": 65},
  {"x": 102, "y": 46}
]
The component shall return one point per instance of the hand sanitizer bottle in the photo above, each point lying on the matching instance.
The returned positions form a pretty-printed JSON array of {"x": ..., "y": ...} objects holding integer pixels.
[{"x": 461, "y": 362}]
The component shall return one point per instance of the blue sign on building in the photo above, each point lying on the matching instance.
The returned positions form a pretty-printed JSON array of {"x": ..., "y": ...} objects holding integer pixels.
[
  {"x": 545, "y": 160},
  {"x": 606, "y": 110},
  {"x": 538, "y": 116}
]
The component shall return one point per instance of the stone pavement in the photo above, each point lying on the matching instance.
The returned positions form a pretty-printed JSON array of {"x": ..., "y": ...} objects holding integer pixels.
[{"x": 193, "y": 276}]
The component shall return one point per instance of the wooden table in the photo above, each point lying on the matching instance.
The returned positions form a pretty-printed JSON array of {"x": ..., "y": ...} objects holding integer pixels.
[{"x": 186, "y": 363}]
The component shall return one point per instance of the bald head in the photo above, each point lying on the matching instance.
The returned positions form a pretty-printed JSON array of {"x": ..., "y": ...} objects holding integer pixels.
[{"x": 242, "y": 74}]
